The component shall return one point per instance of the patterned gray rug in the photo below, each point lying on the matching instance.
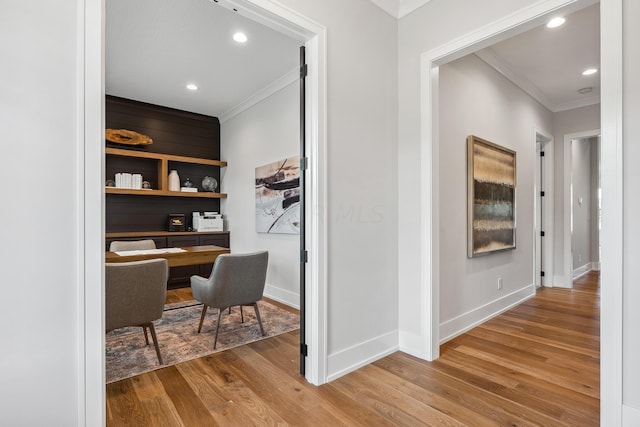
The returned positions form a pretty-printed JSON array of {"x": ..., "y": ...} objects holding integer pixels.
[{"x": 127, "y": 354}]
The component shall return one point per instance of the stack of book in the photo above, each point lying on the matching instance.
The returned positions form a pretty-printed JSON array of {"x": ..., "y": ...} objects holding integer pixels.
[{"x": 128, "y": 180}]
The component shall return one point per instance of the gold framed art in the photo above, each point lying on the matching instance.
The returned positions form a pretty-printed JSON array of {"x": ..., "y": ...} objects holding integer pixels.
[{"x": 491, "y": 190}]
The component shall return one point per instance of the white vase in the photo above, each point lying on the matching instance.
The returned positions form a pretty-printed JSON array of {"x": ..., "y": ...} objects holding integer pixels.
[{"x": 174, "y": 181}]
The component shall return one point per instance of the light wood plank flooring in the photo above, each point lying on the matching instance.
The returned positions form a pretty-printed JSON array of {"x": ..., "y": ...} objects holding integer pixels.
[{"x": 535, "y": 365}]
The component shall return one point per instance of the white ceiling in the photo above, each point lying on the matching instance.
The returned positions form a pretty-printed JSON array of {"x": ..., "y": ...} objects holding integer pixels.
[
  {"x": 153, "y": 48},
  {"x": 548, "y": 63}
]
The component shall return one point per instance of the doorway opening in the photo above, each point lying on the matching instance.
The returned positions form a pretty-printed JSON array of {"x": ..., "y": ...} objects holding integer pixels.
[
  {"x": 611, "y": 179},
  {"x": 314, "y": 37},
  {"x": 582, "y": 208},
  {"x": 543, "y": 220},
  {"x": 430, "y": 64}
]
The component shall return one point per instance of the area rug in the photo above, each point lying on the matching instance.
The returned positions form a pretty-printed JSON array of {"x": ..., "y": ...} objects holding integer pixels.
[{"x": 127, "y": 354}]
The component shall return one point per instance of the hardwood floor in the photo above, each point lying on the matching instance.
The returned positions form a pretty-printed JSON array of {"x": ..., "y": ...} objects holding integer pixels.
[
  {"x": 535, "y": 365},
  {"x": 178, "y": 295}
]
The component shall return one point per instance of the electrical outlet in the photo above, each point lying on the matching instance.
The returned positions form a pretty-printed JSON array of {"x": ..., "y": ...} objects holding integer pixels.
[
  {"x": 579, "y": 257},
  {"x": 499, "y": 283}
]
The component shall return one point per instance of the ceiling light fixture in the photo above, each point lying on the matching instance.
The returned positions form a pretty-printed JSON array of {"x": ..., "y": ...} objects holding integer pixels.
[
  {"x": 240, "y": 37},
  {"x": 192, "y": 86},
  {"x": 555, "y": 22},
  {"x": 589, "y": 71}
]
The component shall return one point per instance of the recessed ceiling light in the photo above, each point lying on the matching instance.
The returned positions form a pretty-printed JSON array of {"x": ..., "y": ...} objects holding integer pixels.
[
  {"x": 589, "y": 71},
  {"x": 192, "y": 86},
  {"x": 555, "y": 22},
  {"x": 240, "y": 37}
]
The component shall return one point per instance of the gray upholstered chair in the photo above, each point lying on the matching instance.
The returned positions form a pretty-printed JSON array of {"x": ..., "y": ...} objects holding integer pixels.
[
  {"x": 131, "y": 245},
  {"x": 236, "y": 279},
  {"x": 135, "y": 293}
]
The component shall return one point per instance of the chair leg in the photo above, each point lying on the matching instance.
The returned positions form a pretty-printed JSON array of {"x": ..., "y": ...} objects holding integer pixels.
[
  {"x": 155, "y": 341},
  {"x": 215, "y": 340},
  {"x": 255, "y": 307},
  {"x": 146, "y": 337},
  {"x": 204, "y": 311}
]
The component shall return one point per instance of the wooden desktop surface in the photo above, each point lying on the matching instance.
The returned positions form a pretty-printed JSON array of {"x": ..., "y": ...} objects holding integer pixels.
[{"x": 193, "y": 255}]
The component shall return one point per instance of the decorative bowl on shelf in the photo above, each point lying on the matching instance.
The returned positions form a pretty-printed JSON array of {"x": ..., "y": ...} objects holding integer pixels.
[
  {"x": 209, "y": 184},
  {"x": 128, "y": 137}
]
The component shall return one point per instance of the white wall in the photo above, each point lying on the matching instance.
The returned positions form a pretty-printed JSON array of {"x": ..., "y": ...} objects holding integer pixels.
[
  {"x": 581, "y": 204},
  {"x": 631, "y": 247},
  {"x": 40, "y": 214},
  {"x": 265, "y": 133},
  {"x": 564, "y": 123},
  {"x": 477, "y": 100}
]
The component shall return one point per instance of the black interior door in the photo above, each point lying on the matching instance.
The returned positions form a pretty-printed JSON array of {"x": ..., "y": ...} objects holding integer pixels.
[{"x": 303, "y": 249}]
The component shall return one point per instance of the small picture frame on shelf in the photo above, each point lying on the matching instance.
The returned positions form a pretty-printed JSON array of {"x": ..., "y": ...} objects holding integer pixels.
[{"x": 177, "y": 222}]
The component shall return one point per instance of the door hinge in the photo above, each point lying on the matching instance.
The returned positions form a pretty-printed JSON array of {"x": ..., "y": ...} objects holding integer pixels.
[
  {"x": 542, "y": 194},
  {"x": 303, "y": 349},
  {"x": 542, "y": 154},
  {"x": 304, "y": 255},
  {"x": 303, "y": 71},
  {"x": 542, "y": 233},
  {"x": 304, "y": 163},
  {"x": 542, "y": 273}
]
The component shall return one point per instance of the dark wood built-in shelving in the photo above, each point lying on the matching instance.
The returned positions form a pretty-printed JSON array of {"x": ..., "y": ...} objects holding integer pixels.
[
  {"x": 184, "y": 141},
  {"x": 162, "y": 167}
]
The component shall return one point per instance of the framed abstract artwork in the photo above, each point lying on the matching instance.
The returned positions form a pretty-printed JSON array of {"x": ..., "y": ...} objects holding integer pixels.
[
  {"x": 278, "y": 197},
  {"x": 491, "y": 204}
]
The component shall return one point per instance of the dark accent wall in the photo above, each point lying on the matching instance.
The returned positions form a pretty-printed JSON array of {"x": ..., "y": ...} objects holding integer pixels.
[
  {"x": 173, "y": 131},
  {"x": 126, "y": 213}
]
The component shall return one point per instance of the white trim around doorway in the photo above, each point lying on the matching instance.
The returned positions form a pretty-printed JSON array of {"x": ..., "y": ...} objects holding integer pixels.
[
  {"x": 547, "y": 209},
  {"x": 91, "y": 380},
  {"x": 611, "y": 237},
  {"x": 509, "y": 26},
  {"x": 566, "y": 280},
  {"x": 611, "y": 278}
]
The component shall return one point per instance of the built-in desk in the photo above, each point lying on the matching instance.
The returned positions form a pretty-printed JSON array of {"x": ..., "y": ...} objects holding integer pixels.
[
  {"x": 190, "y": 255},
  {"x": 178, "y": 276}
]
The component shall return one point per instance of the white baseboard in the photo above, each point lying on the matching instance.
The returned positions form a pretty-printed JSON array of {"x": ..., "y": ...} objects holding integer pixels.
[
  {"x": 284, "y": 296},
  {"x": 595, "y": 266},
  {"x": 559, "y": 282},
  {"x": 412, "y": 344},
  {"x": 359, "y": 355},
  {"x": 462, "y": 323},
  {"x": 630, "y": 416},
  {"x": 580, "y": 271}
]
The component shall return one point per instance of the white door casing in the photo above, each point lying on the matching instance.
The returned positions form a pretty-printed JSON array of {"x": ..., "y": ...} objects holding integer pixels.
[
  {"x": 611, "y": 243},
  {"x": 91, "y": 367}
]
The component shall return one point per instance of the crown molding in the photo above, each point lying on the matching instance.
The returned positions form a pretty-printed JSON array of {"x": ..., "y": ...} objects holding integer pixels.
[
  {"x": 578, "y": 103},
  {"x": 279, "y": 84},
  {"x": 489, "y": 56},
  {"x": 399, "y": 8}
]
